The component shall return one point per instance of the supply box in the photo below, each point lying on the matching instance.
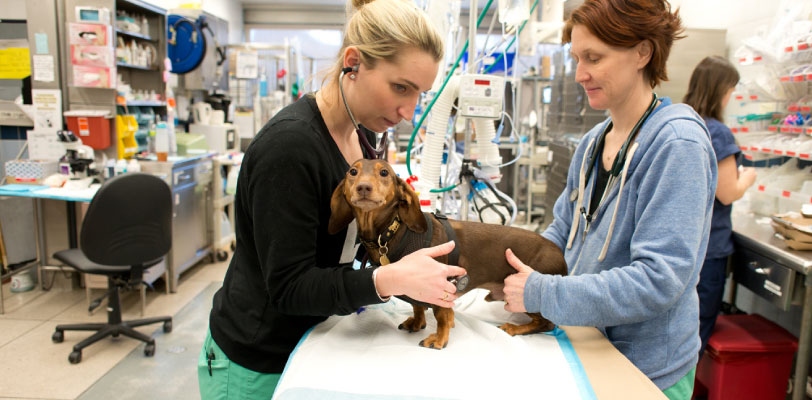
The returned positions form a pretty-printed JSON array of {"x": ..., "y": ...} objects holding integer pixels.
[
  {"x": 748, "y": 357},
  {"x": 92, "y": 126},
  {"x": 29, "y": 171}
]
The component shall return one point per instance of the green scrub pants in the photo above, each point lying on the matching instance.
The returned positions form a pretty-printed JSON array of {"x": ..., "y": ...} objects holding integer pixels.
[
  {"x": 220, "y": 378},
  {"x": 683, "y": 389}
]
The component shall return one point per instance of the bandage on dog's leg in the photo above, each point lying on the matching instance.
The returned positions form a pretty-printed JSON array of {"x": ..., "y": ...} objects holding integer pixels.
[
  {"x": 538, "y": 324},
  {"x": 445, "y": 321},
  {"x": 417, "y": 322}
]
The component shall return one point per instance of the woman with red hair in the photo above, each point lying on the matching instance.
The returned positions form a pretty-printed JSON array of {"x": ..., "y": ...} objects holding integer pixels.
[{"x": 633, "y": 221}]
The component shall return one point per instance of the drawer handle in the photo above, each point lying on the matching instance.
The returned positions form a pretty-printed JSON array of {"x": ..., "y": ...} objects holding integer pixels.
[{"x": 754, "y": 265}]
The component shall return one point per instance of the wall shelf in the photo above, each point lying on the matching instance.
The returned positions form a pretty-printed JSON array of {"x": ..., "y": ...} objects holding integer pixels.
[
  {"x": 135, "y": 35},
  {"x": 131, "y": 66},
  {"x": 145, "y": 103}
]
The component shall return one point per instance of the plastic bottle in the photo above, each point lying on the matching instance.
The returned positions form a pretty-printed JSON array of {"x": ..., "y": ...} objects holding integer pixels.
[
  {"x": 171, "y": 120},
  {"x": 109, "y": 168},
  {"x": 263, "y": 85},
  {"x": 161, "y": 141},
  {"x": 121, "y": 167},
  {"x": 144, "y": 26},
  {"x": 133, "y": 166}
]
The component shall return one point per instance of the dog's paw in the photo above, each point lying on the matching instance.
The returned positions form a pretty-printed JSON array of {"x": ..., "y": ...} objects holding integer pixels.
[
  {"x": 413, "y": 325},
  {"x": 511, "y": 329},
  {"x": 526, "y": 329},
  {"x": 433, "y": 342}
]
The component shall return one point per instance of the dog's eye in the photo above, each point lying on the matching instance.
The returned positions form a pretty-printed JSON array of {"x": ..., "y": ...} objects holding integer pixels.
[
  {"x": 353, "y": 172},
  {"x": 384, "y": 172}
]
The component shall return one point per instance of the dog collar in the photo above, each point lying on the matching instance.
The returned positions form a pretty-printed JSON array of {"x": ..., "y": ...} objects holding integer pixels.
[{"x": 383, "y": 239}]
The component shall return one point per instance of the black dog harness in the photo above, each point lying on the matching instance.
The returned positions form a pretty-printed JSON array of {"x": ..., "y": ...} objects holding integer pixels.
[{"x": 413, "y": 241}]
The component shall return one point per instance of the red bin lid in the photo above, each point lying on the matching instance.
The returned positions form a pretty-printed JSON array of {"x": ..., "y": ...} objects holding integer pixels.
[{"x": 750, "y": 333}]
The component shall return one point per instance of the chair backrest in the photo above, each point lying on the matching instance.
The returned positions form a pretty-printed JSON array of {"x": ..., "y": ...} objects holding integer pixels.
[{"x": 129, "y": 221}]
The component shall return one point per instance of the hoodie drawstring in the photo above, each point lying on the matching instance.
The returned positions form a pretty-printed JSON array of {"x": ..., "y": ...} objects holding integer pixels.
[
  {"x": 617, "y": 202},
  {"x": 576, "y": 218}
]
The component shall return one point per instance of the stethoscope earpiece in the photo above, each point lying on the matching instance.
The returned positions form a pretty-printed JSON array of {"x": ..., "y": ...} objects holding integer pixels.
[{"x": 347, "y": 70}]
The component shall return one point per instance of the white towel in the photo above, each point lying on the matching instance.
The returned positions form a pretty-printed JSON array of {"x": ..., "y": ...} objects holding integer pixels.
[{"x": 366, "y": 356}]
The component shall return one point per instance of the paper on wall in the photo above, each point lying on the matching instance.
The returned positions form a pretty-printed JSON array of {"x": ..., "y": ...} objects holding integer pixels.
[{"x": 43, "y": 68}]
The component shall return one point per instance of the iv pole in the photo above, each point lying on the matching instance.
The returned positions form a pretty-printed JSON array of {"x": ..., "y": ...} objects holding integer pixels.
[{"x": 466, "y": 161}]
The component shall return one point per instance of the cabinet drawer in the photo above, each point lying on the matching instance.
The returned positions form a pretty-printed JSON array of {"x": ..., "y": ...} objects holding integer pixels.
[{"x": 769, "y": 279}]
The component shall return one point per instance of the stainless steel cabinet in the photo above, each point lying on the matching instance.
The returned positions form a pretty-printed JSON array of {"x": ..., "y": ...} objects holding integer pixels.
[
  {"x": 766, "y": 277},
  {"x": 190, "y": 180}
]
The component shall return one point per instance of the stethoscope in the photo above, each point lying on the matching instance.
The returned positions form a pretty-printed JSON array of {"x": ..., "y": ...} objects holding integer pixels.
[
  {"x": 371, "y": 152},
  {"x": 620, "y": 159}
]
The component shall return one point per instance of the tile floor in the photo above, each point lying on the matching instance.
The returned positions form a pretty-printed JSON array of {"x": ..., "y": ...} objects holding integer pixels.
[{"x": 33, "y": 367}]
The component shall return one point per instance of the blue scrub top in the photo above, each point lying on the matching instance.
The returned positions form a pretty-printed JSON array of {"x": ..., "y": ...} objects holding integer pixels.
[{"x": 720, "y": 243}]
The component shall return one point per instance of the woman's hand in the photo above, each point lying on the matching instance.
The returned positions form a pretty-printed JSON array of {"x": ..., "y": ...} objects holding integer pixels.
[
  {"x": 747, "y": 176},
  {"x": 421, "y": 277},
  {"x": 514, "y": 284}
]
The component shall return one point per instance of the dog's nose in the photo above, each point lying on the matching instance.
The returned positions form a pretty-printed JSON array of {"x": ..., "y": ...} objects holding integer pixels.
[{"x": 363, "y": 188}]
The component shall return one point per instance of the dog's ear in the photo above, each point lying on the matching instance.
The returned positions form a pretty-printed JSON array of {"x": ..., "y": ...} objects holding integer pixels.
[
  {"x": 341, "y": 212},
  {"x": 409, "y": 208}
]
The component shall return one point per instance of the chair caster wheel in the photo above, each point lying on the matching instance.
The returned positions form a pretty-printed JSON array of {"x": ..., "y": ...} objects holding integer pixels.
[
  {"x": 233, "y": 245},
  {"x": 58, "y": 337},
  {"x": 222, "y": 256},
  {"x": 149, "y": 349},
  {"x": 167, "y": 326},
  {"x": 75, "y": 357}
]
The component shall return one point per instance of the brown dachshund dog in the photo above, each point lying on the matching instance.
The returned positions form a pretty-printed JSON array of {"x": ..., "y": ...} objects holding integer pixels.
[{"x": 375, "y": 196}]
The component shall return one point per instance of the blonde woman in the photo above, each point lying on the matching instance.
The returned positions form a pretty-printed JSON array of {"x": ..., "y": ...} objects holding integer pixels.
[{"x": 287, "y": 273}]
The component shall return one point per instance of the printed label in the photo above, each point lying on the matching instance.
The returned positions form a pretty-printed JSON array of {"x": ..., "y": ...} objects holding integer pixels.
[{"x": 772, "y": 287}]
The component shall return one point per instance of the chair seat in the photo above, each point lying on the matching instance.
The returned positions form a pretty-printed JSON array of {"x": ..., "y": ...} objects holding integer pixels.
[{"x": 76, "y": 259}]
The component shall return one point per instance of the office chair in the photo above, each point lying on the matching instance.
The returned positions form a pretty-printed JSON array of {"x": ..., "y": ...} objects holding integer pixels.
[{"x": 126, "y": 230}]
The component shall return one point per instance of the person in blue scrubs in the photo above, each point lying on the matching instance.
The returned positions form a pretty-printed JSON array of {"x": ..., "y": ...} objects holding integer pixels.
[{"x": 709, "y": 90}]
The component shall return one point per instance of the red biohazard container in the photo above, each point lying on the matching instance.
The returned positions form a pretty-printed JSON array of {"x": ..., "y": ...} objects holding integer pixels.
[
  {"x": 747, "y": 357},
  {"x": 92, "y": 126}
]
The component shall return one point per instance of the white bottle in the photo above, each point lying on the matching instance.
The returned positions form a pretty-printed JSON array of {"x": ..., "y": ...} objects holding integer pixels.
[
  {"x": 133, "y": 166},
  {"x": 161, "y": 141},
  {"x": 121, "y": 167},
  {"x": 144, "y": 26}
]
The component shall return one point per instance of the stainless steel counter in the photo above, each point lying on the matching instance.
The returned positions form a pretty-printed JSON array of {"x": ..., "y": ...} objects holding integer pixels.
[
  {"x": 764, "y": 264},
  {"x": 761, "y": 238}
]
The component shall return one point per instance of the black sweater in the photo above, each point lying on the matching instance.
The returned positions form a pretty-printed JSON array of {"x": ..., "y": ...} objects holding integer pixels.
[{"x": 286, "y": 275}]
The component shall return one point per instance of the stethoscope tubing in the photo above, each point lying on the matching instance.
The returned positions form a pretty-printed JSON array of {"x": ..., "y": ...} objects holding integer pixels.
[
  {"x": 371, "y": 152},
  {"x": 620, "y": 159}
]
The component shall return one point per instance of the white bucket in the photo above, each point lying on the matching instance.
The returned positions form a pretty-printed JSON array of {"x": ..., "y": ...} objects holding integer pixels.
[{"x": 22, "y": 282}]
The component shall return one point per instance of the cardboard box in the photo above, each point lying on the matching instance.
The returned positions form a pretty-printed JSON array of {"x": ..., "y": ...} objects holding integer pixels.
[
  {"x": 29, "y": 171},
  {"x": 796, "y": 230}
]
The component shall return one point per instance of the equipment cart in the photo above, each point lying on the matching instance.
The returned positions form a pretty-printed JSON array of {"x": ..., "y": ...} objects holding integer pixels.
[{"x": 221, "y": 200}]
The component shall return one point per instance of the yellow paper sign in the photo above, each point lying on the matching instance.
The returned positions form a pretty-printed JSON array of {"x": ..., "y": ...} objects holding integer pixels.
[{"x": 15, "y": 63}]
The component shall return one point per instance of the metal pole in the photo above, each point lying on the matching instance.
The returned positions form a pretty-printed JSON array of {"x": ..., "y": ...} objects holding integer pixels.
[{"x": 472, "y": 16}]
